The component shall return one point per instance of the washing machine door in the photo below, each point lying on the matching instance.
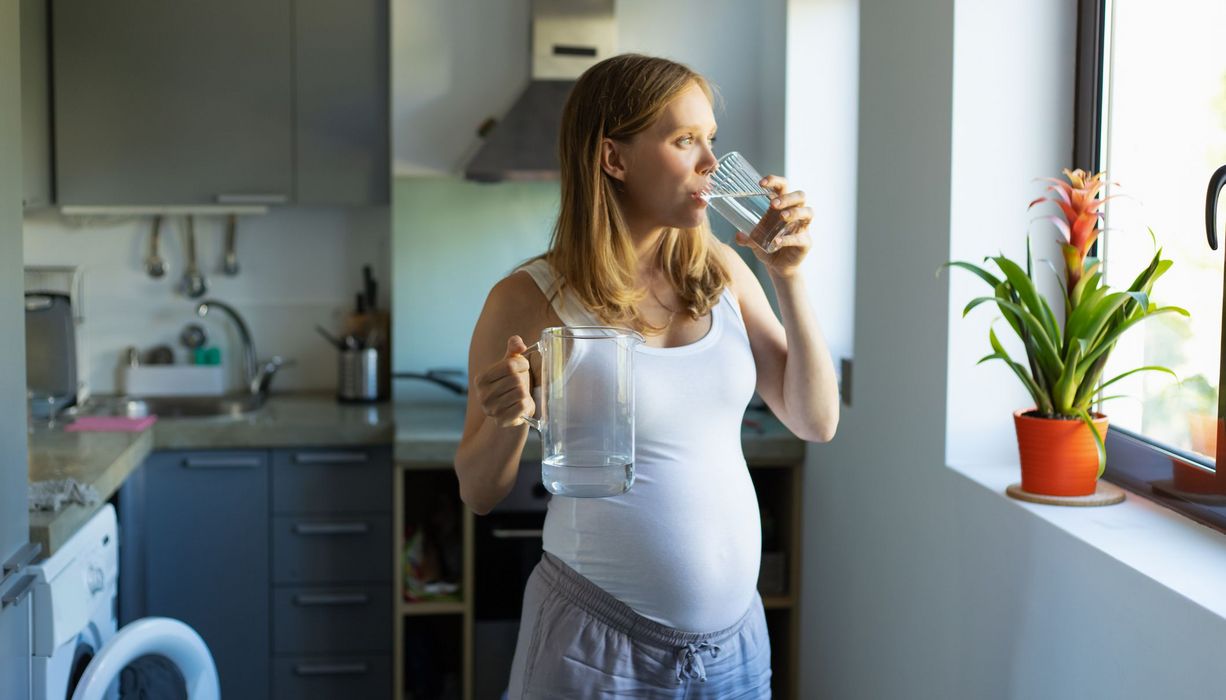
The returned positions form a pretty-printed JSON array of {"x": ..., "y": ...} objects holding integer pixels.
[{"x": 180, "y": 644}]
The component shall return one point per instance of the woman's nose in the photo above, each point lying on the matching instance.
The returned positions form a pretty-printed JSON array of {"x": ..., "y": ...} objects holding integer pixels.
[{"x": 709, "y": 162}]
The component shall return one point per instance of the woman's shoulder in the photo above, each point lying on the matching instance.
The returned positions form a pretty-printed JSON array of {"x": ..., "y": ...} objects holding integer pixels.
[
  {"x": 519, "y": 296},
  {"x": 519, "y": 287}
]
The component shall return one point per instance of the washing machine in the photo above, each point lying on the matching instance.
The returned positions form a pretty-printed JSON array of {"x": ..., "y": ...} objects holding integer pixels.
[{"x": 75, "y": 606}]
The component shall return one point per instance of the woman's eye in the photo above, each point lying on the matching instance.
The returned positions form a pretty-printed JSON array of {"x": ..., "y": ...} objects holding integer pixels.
[
  {"x": 685, "y": 140},
  {"x": 712, "y": 139}
]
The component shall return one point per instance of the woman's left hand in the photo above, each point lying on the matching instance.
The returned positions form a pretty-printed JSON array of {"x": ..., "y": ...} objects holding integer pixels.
[{"x": 793, "y": 243}]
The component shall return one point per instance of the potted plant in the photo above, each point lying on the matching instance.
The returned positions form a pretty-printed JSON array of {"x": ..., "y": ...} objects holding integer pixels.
[{"x": 1060, "y": 440}]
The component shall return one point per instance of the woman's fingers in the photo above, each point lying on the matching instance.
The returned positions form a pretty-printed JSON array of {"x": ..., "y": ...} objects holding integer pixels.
[
  {"x": 775, "y": 182},
  {"x": 797, "y": 217},
  {"x": 511, "y": 410}
]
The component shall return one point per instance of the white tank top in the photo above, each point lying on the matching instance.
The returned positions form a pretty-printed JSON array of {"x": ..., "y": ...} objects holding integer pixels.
[{"x": 683, "y": 545}]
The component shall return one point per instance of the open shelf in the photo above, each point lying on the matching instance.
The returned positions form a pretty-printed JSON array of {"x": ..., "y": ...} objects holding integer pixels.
[{"x": 433, "y": 607}]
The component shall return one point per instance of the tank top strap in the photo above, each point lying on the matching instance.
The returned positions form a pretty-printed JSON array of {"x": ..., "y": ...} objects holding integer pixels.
[{"x": 564, "y": 304}]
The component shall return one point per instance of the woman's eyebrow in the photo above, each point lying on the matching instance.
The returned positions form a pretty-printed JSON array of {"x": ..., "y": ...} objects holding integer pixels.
[{"x": 692, "y": 127}]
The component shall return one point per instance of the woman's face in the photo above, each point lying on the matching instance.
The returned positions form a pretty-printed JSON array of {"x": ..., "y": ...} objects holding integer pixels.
[{"x": 665, "y": 166}]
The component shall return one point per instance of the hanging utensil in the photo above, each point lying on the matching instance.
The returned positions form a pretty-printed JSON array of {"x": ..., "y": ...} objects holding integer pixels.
[
  {"x": 193, "y": 285},
  {"x": 154, "y": 265},
  {"x": 229, "y": 262},
  {"x": 340, "y": 345}
]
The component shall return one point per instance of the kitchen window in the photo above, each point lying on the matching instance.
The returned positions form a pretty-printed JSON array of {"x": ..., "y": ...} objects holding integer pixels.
[{"x": 1151, "y": 112}]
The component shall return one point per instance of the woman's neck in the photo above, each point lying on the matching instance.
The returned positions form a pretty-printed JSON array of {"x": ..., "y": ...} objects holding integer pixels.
[{"x": 646, "y": 241}]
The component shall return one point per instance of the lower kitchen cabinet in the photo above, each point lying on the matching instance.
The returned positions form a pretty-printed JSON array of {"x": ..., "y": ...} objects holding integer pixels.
[
  {"x": 438, "y": 641},
  {"x": 204, "y": 535},
  {"x": 278, "y": 558}
]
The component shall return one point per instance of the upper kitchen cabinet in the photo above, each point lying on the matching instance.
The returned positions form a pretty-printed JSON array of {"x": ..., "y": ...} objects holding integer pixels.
[
  {"x": 229, "y": 101},
  {"x": 172, "y": 102},
  {"x": 341, "y": 101},
  {"x": 35, "y": 106}
]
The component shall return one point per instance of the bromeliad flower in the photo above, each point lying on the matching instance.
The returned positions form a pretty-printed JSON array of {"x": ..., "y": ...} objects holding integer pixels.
[{"x": 1081, "y": 202}]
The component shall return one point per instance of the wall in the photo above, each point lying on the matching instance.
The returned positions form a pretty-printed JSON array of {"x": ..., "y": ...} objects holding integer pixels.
[
  {"x": 453, "y": 239},
  {"x": 918, "y": 582},
  {"x": 298, "y": 267},
  {"x": 442, "y": 89},
  {"x": 822, "y": 110}
]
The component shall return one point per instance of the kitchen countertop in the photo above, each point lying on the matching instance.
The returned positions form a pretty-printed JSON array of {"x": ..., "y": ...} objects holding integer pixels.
[
  {"x": 425, "y": 434},
  {"x": 104, "y": 460}
]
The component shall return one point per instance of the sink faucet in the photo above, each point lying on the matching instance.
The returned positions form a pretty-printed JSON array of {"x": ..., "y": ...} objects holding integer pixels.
[{"x": 257, "y": 376}]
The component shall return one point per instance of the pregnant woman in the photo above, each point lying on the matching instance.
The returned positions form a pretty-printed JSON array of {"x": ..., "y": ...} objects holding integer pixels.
[{"x": 651, "y": 593}]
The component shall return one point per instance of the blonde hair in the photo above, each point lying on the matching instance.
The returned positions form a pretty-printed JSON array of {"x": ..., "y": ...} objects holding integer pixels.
[{"x": 591, "y": 249}]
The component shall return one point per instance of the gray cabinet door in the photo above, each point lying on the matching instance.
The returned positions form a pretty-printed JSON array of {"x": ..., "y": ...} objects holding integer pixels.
[
  {"x": 207, "y": 557},
  {"x": 341, "y": 101},
  {"x": 35, "y": 104},
  {"x": 172, "y": 102}
]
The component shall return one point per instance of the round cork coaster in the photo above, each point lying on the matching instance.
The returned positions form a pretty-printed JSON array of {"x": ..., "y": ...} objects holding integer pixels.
[{"x": 1106, "y": 494}]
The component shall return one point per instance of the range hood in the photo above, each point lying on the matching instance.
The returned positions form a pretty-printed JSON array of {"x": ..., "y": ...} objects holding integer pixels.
[{"x": 568, "y": 37}]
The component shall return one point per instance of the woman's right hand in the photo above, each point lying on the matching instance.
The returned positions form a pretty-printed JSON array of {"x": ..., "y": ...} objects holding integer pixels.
[{"x": 504, "y": 389}]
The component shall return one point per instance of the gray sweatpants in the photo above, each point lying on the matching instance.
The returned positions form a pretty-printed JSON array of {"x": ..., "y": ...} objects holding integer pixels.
[{"x": 577, "y": 641}]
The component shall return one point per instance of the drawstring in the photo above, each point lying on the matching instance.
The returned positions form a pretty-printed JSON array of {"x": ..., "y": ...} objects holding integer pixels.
[{"x": 689, "y": 660}]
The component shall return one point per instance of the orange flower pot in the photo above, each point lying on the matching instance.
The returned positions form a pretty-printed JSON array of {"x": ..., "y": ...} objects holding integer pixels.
[{"x": 1059, "y": 457}]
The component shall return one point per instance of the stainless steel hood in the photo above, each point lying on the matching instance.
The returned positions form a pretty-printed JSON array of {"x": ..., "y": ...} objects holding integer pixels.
[{"x": 568, "y": 37}]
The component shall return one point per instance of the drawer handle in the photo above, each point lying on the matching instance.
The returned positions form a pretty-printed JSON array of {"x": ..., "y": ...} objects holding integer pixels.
[
  {"x": 513, "y": 534},
  {"x": 331, "y": 669},
  {"x": 19, "y": 590},
  {"x": 28, "y": 552},
  {"x": 252, "y": 198},
  {"x": 221, "y": 462},
  {"x": 311, "y": 599},
  {"x": 331, "y": 457},
  {"x": 331, "y": 528}
]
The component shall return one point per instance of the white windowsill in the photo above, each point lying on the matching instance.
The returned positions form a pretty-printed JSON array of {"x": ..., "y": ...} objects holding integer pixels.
[{"x": 1176, "y": 552}]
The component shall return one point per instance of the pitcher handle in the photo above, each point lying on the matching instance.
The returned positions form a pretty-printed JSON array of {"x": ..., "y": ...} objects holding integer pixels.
[{"x": 535, "y": 347}]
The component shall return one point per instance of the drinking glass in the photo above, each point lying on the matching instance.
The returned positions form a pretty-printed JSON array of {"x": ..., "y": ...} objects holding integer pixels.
[{"x": 734, "y": 192}]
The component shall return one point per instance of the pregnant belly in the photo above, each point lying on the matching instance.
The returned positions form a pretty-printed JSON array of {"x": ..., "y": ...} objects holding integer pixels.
[{"x": 682, "y": 547}]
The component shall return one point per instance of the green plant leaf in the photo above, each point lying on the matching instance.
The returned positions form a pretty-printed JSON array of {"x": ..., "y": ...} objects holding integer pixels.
[
  {"x": 1040, "y": 346},
  {"x": 1115, "y": 333},
  {"x": 1147, "y": 368},
  {"x": 1041, "y": 400},
  {"x": 978, "y": 271},
  {"x": 1098, "y": 441},
  {"x": 1030, "y": 297}
]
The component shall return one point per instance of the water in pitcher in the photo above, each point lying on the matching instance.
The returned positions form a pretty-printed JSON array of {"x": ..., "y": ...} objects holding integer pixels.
[
  {"x": 750, "y": 209},
  {"x": 588, "y": 475}
]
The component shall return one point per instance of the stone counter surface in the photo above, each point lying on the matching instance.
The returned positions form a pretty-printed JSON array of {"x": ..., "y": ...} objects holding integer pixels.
[
  {"x": 104, "y": 460},
  {"x": 425, "y": 434}
]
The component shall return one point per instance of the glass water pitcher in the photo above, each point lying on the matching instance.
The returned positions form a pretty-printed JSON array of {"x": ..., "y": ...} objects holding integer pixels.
[{"x": 586, "y": 410}]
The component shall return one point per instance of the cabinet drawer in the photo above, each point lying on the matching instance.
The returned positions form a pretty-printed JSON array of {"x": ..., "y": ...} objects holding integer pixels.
[
  {"x": 331, "y": 677},
  {"x": 338, "y": 549},
  {"x": 332, "y": 620},
  {"x": 341, "y": 480}
]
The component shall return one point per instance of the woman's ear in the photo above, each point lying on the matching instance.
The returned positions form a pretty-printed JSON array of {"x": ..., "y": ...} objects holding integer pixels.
[{"x": 612, "y": 159}]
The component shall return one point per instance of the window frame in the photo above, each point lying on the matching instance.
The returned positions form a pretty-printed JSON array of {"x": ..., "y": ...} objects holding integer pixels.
[{"x": 1134, "y": 461}]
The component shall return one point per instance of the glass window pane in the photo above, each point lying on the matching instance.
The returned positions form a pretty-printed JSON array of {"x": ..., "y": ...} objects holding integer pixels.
[{"x": 1164, "y": 135}]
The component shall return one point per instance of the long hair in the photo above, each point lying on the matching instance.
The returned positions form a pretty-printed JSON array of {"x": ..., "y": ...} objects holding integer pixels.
[{"x": 591, "y": 248}]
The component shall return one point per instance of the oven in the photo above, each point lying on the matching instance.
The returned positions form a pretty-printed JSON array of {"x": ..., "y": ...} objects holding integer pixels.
[{"x": 507, "y": 547}]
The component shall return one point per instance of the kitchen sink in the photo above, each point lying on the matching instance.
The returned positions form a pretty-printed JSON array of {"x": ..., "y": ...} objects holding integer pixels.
[{"x": 181, "y": 406}]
